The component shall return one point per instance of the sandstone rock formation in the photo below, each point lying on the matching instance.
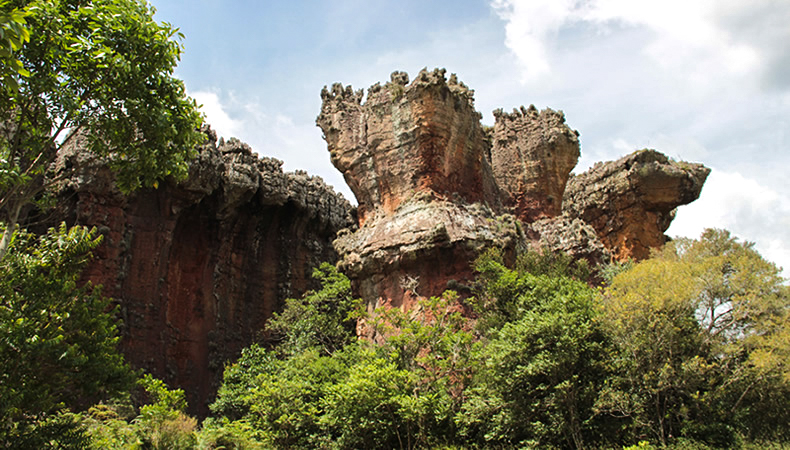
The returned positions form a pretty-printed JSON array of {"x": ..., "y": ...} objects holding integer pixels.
[
  {"x": 406, "y": 138},
  {"x": 533, "y": 154},
  {"x": 434, "y": 187},
  {"x": 416, "y": 157},
  {"x": 631, "y": 202},
  {"x": 199, "y": 266}
]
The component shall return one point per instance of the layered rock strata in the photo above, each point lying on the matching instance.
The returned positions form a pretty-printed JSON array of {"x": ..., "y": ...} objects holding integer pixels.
[
  {"x": 407, "y": 138},
  {"x": 532, "y": 156},
  {"x": 198, "y": 267},
  {"x": 435, "y": 187},
  {"x": 631, "y": 202}
]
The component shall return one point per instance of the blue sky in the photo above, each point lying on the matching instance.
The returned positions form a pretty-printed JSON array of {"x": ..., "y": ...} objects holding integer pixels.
[{"x": 701, "y": 80}]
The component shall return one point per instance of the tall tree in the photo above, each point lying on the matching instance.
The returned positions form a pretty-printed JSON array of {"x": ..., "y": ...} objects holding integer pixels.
[
  {"x": 543, "y": 359},
  {"x": 702, "y": 333},
  {"x": 13, "y": 33},
  {"x": 101, "y": 69}
]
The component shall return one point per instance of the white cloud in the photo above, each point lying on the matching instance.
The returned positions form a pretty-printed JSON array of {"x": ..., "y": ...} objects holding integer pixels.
[
  {"x": 690, "y": 39},
  {"x": 745, "y": 207},
  {"x": 216, "y": 115},
  {"x": 530, "y": 26}
]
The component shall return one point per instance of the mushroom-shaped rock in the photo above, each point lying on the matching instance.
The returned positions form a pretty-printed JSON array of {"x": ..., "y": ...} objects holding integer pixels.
[{"x": 631, "y": 202}]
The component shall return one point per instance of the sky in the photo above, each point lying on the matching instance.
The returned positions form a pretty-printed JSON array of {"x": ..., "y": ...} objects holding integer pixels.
[{"x": 699, "y": 80}]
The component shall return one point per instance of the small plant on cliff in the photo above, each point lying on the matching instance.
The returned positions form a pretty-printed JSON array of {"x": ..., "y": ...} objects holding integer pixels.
[{"x": 396, "y": 91}]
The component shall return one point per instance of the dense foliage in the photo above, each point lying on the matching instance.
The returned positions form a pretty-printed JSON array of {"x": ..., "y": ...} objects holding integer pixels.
[
  {"x": 686, "y": 349},
  {"x": 541, "y": 369},
  {"x": 701, "y": 330},
  {"x": 99, "y": 71},
  {"x": 57, "y": 339},
  {"x": 545, "y": 361}
]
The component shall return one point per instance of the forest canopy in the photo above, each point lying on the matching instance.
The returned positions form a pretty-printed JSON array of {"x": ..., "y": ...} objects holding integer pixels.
[
  {"x": 546, "y": 361},
  {"x": 689, "y": 348}
]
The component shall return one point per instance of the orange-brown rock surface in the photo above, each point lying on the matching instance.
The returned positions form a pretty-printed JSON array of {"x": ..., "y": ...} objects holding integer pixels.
[
  {"x": 434, "y": 187},
  {"x": 199, "y": 266},
  {"x": 533, "y": 154},
  {"x": 631, "y": 202},
  {"x": 407, "y": 138}
]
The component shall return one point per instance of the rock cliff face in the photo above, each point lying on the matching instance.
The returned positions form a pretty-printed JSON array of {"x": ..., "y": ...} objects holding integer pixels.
[
  {"x": 533, "y": 153},
  {"x": 435, "y": 187},
  {"x": 198, "y": 267},
  {"x": 631, "y": 202}
]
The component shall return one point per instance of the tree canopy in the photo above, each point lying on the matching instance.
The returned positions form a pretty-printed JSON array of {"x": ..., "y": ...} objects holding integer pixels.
[
  {"x": 101, "y": 72},
  {"x": 100, "y": 69}
]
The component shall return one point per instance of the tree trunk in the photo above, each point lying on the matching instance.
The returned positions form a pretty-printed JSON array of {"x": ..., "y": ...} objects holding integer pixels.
[{"x": 10, "y": 227}]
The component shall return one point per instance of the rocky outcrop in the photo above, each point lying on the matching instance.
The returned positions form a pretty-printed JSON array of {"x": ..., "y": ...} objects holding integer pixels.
[
  {"x": 434, "y": 187},
  {"x": 533, "y": 154},
  {"x": 631, "y": 202},
  {"x": 407, "y": 138},
  {"x": 198, "y": 267},
  {"x": 424, "y": 247},
  {"x": 417, "y": 159}
]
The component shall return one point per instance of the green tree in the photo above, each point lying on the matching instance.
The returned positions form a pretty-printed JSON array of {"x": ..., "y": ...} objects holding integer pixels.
[
  {"x": 273, "y": 397},
  {"x": 57, "y": 338},
  {"x": 321, "y": 387},
  {"x": 325, "y": 319},
  {"x": 100, "y": 69},
  {"x": 13, "y": 34},
  {"x": 700, "y": 330},
  {"x": 542, "y": 363},
  {"x": 435, "y": 344}
]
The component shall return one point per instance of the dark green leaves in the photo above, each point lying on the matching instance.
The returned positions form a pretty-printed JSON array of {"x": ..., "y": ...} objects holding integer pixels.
[{"x": 57, "y": 341}]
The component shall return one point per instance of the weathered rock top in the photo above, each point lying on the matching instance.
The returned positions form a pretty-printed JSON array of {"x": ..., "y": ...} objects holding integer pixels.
[
  {"x": 406, "y": 138},
  {"x": 228, "y": 169},
  {"x": 432, "y": 181},
  {"x": 533, "y": 154},
  {"x": 631, "y": 201}
]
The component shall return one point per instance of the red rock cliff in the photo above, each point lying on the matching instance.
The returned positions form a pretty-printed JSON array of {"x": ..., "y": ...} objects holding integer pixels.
[
  {"x": 417, "y": 159},
  {"x": 434, "y": 187},
  {"x": 198, "y": 267}
]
